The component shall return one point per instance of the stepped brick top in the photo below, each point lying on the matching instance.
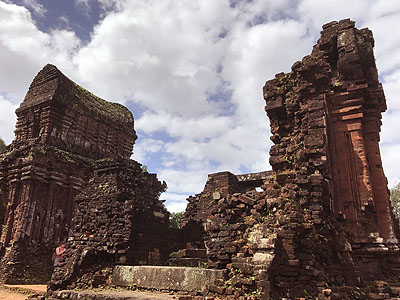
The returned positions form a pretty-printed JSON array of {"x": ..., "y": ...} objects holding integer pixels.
[{"x": 60, "y": 112}]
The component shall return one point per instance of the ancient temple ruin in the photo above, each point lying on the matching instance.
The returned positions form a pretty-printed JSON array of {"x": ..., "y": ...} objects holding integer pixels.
[
  {"x": 71, "y": 149},
  {"x": 318, "y": 225},
  {"x": 323, "y": 225},
  {"x": 325, "y": 121}
]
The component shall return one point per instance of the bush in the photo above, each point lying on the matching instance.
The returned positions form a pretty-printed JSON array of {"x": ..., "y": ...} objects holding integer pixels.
[
  {"x": 2, "y": 145},
  {"x": 175, "y": 219},
  {"x": 395, "y": 200}
]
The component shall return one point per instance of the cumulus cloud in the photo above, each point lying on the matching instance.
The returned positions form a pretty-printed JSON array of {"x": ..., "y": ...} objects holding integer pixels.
[
  {"x": 7, "y": 119},
  {"x": 157, "y": 57},
  {"x": 36, "y": 7},
  {"x": 25, "y": 49},
  {"x": 83, "y": 6},
  {"x": 391, "y": 163},
  {"x": 196, "y": 69}
]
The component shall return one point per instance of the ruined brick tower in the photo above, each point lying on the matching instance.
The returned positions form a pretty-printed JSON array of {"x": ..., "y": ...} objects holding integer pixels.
[
  {"x": 331, "y": 105},
  {"x": 321, "y": 225},
  {"x": 61, "y": 130},
  {"x": 325, "y": 121},
  {"x": 324, "y": 218}
]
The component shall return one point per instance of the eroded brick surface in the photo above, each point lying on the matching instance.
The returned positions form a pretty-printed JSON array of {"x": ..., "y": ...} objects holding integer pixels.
[
  {"x": 324, "y": 217},
  {"x": 318, "y": 225},
  {"x": 67, "y": 174}
]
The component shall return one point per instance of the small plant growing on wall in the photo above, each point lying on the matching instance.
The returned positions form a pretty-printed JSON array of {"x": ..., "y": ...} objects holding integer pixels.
[
  {"x": 2, "y": 145},
  {"x": 176, "y": 219}
]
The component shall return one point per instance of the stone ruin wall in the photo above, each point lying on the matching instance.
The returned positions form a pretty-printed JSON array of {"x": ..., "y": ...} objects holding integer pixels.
[
  {"x": 58, "y": 112},
  {"x": 62, "y": 134},
  {"x": 330, "y": 106},
  {"x": 217, "y": 187},
  {"x": 39, "y": 208},
  {"x": 118, "y": 220},
  {"x": 324, "y": 218},
  {"x": 325, "y": 121}
]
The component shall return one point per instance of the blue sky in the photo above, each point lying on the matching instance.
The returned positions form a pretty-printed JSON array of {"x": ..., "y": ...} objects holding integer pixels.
[
  {"x": 72, "y": 15},
  {"x": 191, "y": 71}
]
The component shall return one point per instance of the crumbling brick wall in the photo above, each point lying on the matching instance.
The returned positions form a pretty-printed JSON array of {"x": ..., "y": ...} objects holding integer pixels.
[
  {"x": 218, "y": 186},
  {"x": 331, "y": 105},
  {"x": 324, "y": 217},
  {"x": 266, "y": 240},
  {"x": 38, "y": 202},
  {"x": 59, "y": 112},
  {"x": 64, "y": 134},
  {"x": 109, "y": 226}
]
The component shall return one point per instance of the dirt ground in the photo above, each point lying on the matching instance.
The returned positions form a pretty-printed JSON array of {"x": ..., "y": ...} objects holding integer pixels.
[
  {"x": 19, "y": 292},
  {"x": 8, "y": 295}
]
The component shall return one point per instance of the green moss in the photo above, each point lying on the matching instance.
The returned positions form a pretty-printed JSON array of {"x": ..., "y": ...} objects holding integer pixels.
[
  {"x": 286, "y": 83},
  {"x": 106, "y": 188},
  {"x": 112, "y": 111},
  {"x": 42, "y": 150},
  {"x": 6, "y": 155},
  {"x": 69, "y": 157},
  {"x": 30, "y": 156}
]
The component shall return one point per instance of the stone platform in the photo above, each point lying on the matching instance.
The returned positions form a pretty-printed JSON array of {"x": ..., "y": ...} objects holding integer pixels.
[{"x": 166, "y": 278}]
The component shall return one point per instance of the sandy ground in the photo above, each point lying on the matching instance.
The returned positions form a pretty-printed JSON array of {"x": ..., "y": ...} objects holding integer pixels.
[
  {"x": 37, "y": 288},
  {"x": 7, "y": 294},
  {"x": 132, "y": 295},
  {"x": 21, "y": 292}
]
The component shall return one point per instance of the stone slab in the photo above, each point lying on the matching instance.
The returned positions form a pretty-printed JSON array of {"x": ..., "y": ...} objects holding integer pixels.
[{"x": 169, "y": 278}]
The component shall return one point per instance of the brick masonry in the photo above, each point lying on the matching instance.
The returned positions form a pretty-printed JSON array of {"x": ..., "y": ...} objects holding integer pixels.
[
  {"x": 67, "y": 174},
  {"x": 323, "y": 218},
  {"x": 318, "y": 225}
]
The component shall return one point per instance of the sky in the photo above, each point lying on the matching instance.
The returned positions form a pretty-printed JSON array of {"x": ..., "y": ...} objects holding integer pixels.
[{"x": 191, "y": 72}]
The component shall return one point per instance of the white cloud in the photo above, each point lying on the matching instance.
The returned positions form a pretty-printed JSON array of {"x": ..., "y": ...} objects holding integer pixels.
[
  {"x": 176, "y": 183},
  {"x": 36, "y": 7},
  {"x": 175, "y": 202},
  {"x": 317, "y": 13},
  {"x": 153, "y": 53},
  {"x": 391, "y": 162},
  {"x": 7, "y": 120},
  {"x": 83, "y": 6},
  {"x": 146, "y": 146},
  {"x": 390, "y": 138},
  {"x": 200, "y": 128},
  {"x": 25, "y": 50}
]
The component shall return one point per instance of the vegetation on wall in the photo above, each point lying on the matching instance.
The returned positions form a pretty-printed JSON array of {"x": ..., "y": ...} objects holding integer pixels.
[
  {"x": 2, "y": 145},
  {"x": 395, "y": 200},
  {"x": 175, "y": 219}
]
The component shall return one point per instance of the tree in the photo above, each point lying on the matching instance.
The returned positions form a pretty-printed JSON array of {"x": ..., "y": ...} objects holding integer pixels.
[
  {"x": 2, "y": 145},
  {"x": 175, "y": 219},
  {"x": 395, "y": 200}
]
